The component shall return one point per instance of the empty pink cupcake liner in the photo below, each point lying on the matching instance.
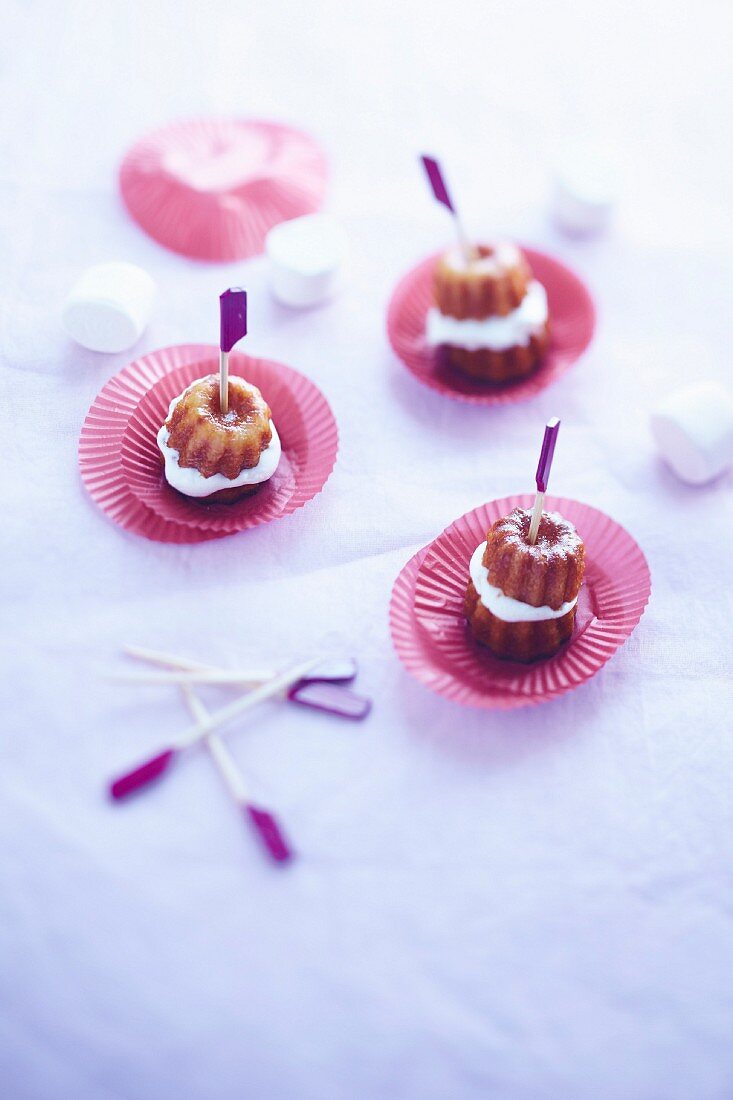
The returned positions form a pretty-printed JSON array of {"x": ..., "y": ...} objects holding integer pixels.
[{"x": 212, "y": 188}]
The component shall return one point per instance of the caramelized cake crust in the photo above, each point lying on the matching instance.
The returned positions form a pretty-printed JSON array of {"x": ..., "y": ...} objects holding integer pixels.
[
  {"x": 547, "y": 574},
  {"x": 488, "y": 365},
  {"x": 516, "y": 641},
  {"x": 492, "y": 285},
  {"x": 213, "y": 443}
]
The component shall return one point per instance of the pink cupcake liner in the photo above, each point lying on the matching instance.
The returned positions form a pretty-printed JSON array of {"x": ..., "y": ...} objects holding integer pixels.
[
  {"x": 432, "y": 638},
  {"x": 212, "y": 188},
  {"x": 572, "y": 321},
  {"x": 122, "y": 468}
]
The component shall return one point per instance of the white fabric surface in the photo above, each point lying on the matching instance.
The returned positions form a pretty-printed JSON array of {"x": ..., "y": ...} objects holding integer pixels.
[{"x": 524, "y": 906}]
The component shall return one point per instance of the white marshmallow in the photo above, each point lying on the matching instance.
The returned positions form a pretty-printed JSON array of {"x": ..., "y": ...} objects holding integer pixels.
[
  {"x": 109, "y": 306},
  {"x": 584, "y": 191},
  {"x": 306, "y": 259},
  {"x": 693, "y": 430}
]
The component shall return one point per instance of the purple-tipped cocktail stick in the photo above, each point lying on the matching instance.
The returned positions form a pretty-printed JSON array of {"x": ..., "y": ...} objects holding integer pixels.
[
  {"x": 331, "y": 698},
  {"x": 438, "y": 184},
  {"x": 548, "y": 449},
  {"x": 542, "y": 476},
  {"x": 233, "y": 317},
  {"x": 232, "y": 327},
  {"x": 440, "y": 190},
  {"x": 335, "y": 670}
]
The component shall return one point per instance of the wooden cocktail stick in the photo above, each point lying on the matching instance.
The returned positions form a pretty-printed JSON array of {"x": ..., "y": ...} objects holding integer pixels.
[
  {"x": 441, "y": 193},
  {"x": 232, "y": 327},
  {"x": 183, "y": 670},
  {"x": 542, "y": 476},
  {"x": 262, "y": 820},
  {"x": 243, "y": 678},
  {"x": 534, "y": 526},
  {"x": 166, "y": 660},
  {"x": 335, "y": 670},
  {"x": 157, "y": 765}
]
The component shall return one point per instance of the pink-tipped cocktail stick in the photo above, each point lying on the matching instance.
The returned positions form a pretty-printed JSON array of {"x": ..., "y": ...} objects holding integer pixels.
[
  {"x": 264, "y": 823},
  {"x": 140, "y": 777},
  {"x": 269, "y": 832}
]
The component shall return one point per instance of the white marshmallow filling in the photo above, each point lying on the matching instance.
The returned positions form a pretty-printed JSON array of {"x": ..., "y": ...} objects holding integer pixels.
[
  {"x": 496, "y": 333},
  {"x": 192, "y": 483},
  {"x": 505, "y": 607}
]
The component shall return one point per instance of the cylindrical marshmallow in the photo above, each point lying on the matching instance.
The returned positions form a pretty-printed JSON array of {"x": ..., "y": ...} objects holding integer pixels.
[
  {"x": 109, "y": 306},
  {"x": 693, "y": 430},
  {"x": 306, "y": 259},
  {"x": 584, "y": 192}
]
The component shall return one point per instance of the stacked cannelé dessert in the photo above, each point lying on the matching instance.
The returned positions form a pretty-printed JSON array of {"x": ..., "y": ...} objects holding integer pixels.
[
  {"x": 522, "y": 597},
  {"x": 490, "y": 318},
  {"x": 215, "y": 456},
  {"x": 218, "y": 441}
]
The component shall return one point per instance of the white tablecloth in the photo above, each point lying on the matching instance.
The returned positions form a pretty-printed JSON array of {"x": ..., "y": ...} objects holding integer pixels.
[{"x": 524, "y": 906}]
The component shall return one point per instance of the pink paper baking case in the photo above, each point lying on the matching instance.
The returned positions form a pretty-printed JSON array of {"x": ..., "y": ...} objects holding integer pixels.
[
  {"x": 432, "y": 637},
  {"x": 121, "y": 464},
  {"x": 572, "y": 321},
  {"x": 212, "y": 188}
]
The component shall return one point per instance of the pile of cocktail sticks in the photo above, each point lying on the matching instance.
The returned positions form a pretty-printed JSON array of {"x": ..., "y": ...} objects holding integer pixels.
[{"x": 320, "y": 683}]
